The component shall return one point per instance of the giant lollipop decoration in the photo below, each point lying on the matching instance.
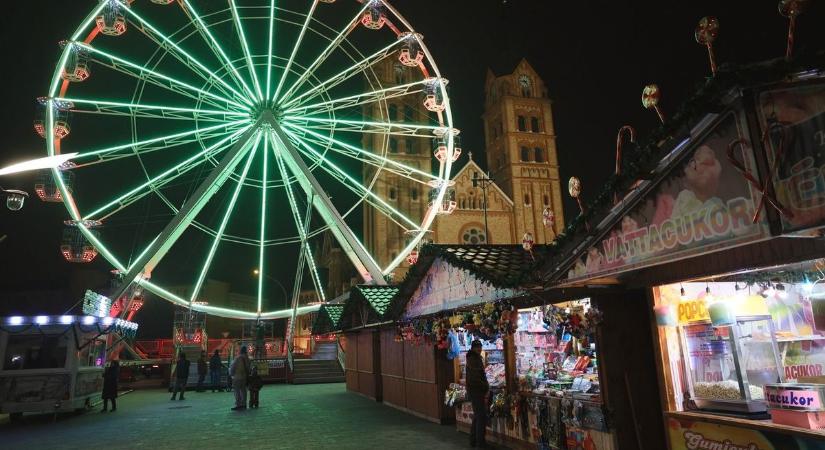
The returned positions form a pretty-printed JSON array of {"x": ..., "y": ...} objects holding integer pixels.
[
  {"x": 650, "y": 100},
  {"x": 705, "y": 34},
  {"x": 791, "y": 9},
  {"x": 548, "y": 218},
  {"x": 574, "y": 186}
]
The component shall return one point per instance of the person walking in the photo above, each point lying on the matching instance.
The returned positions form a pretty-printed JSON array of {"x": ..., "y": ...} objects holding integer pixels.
[
  {"x": 201, "y": 371},
  {"x": 239, "y": 369},
  {"x": 215, "y": 366},
  {"x": 477, "y": 389},
  {"x": 181, "y": 375},
  {"x": 255, "y": 383},
  {"x": 110, "y": 377}
]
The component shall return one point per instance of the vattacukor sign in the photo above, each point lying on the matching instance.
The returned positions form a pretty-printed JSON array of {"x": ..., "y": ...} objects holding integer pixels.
[{"x": 703, "y": 205}]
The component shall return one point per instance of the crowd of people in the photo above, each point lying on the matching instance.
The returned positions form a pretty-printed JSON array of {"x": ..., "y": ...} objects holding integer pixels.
[{"x": 242, "y": 376}]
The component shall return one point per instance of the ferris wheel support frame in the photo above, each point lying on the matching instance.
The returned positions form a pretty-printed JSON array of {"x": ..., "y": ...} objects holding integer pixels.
[
  {"x": 174, "y": 229},
  {"x": 352, "y": 247}
]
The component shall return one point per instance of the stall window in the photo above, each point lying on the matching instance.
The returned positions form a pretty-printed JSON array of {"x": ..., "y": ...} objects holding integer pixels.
[{"x": 35, "y": 352}]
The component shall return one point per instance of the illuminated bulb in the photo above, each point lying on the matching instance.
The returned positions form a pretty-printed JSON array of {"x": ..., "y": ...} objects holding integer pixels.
[
  {"x": 65, "y": 320},
  {"x": 108, "y": 321},
  {"x": 41, "y": 320},
  {"x": 89, "y": 320},
  {"x": 682, "y": 293},
  {"x": 708, "y": 296},
  {"x": 15, "y": 320}
]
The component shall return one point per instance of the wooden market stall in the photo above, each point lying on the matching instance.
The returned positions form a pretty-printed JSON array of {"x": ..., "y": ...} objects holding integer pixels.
[{"x": 713, "y": 262}]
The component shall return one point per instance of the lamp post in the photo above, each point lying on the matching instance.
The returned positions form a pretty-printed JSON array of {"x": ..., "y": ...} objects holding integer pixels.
[
  {"x": 256, "y": 272},
  {"x": 483, "y": 182}
]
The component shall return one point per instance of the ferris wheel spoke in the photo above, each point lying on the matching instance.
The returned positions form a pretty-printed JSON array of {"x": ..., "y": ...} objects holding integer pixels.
[
  {"x": 144, "y": 73},
  {"x": 342, "y": 35},
  {"x": 359, "y": 126},
  {"x": 338, "y": 78},
  {"x": 245, "y": 46},
  {"x": 222, "y": 228},
  {"x": 352, "y": 247},
  {"x": 193, "y": 205},
  {"x": 163, "y": 178},
  {"x": 269, "y": 49},
  {"x": 213, "y": 44},
  {"x": 360, "y": 99},
  {"x": 181, "y": 55},
  {"x": 295, "y": 49},
  {"x": 113, "y": 108},
  {"x": 369, "y": 157},
  {"x": 301, "y": 226},
  {"x": 154, "y": 144},
  {"x": 351, "y": 183},
  {"x": 262, "y": 241}
]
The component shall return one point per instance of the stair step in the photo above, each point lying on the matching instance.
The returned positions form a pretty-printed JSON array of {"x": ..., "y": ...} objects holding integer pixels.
[{"x": 319, "y": 380}]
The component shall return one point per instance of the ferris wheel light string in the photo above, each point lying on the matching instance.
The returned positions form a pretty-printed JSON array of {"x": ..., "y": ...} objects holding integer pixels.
[
  {"x": 351, "y": 179},
  {"x": 205, "y": 152},
  {"x": 269, "y": 50},
  {"x": 299, "y": 223},
  {"x": 261, "y": 251},
  {"x": 146, "y": 70},
  {"x": 401, "y": 89},
  {"x": 144, "y": 106},
  {"x": 222, "y": 228},
  {"x": 245, "y": 47},
  {"x": 342, "y": 76},
  {"x": 342, "y": 35},
  {"x": 362, "y": 151},
  {"x": 295, "y": 48},
  {"x": 216, "y": 46},
  {"x": 159, "y": 139},
  {"x": 194, "y": 60}
]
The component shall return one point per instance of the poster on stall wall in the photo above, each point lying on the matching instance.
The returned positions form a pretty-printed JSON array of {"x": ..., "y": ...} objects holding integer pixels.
[
  {"x": 696, "y": 435},
  {"x": 703, "y": 205},
  {"x": 796, "y": 118},
  {"x": 446, "y": 287}
]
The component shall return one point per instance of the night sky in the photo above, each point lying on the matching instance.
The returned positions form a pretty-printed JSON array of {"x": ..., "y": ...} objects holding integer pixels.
[{"x": 594, "y": 56}]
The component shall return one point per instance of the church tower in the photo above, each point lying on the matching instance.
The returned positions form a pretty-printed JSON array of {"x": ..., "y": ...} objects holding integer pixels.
[
  {"x": 382, "y": 236},
  {"x": 521, "y": 148}
]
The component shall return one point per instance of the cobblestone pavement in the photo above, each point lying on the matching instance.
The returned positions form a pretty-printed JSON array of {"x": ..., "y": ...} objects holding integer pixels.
[{"x": 320, "y": 416}]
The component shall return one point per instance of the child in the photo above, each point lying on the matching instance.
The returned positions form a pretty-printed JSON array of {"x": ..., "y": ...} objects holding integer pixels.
[{"x": 255, "y": 383}]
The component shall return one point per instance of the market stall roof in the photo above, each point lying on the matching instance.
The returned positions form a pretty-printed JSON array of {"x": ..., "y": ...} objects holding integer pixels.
[
  {"x": 653, "y": 160},
  {"x": 500, "y": 265},
  {"x": 368, "y": 305},
  {"x": 328, "y": 319}
]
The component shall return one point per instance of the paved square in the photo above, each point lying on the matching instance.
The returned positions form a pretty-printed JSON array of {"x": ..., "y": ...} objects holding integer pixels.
[{"x": 320, "y": 416}]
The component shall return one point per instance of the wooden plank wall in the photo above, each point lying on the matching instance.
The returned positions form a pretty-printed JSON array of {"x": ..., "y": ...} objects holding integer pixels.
[
  {"x": 351, "y": 362},
  {"x": 368, "y": 363},
  {"x": 392, "y": 369},
  {"x": 627, "y": 369}
]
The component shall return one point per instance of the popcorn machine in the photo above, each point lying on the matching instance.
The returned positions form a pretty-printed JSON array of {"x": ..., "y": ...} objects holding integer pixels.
[{"x": 730, "y": 354}]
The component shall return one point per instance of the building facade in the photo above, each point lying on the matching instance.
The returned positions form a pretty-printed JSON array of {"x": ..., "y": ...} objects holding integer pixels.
[{"x": 521, "y": 158}]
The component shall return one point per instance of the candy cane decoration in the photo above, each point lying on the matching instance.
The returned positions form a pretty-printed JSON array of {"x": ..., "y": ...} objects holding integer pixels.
[
  {"x": 706, "y": 32},
  {"x": 650, "y": 100},
  {"x": 619, "y": 142},
  {"x": 791, "y": 9},
  {"x": 778, "y": 154},
  {"x": 748, "y": 176}
]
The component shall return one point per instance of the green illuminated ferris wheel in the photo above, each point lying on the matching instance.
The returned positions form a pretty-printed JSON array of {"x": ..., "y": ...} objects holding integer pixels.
[{"x": 235, "y": 131}]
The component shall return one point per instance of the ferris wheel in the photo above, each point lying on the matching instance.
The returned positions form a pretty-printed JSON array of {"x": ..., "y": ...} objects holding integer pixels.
[{"x": 203, "y": 137}]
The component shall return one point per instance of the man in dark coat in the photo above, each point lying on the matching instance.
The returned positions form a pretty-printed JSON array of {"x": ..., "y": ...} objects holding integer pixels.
[
  {"x": 215, "y": 366},
  {"x": 181, "y": 375},
  {"x": 477, "y": 388},
  {"x": 110, "y": 376},
  {"x": 201, "y": 371}
]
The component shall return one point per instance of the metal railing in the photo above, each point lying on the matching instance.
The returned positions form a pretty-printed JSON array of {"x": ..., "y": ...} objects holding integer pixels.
[{"x": 342, "y": 355}]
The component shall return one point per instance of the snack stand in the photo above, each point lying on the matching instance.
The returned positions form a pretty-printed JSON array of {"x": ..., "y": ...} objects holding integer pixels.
[{"x": 54, "y": 364}]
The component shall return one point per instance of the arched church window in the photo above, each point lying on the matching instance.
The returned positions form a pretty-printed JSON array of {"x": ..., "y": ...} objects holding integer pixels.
[
  {"x": 525, "y": 154},
  {"x": 539, "y": 154}
]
